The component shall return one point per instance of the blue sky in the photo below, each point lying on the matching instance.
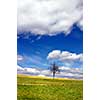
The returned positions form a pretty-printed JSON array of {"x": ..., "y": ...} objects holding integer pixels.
[
  {"x": 34, "y": 49},
  {"x": 50, "y": 31}
]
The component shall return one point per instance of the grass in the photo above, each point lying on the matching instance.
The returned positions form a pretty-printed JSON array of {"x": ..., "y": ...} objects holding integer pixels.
[{"x": 37, "y": 88}]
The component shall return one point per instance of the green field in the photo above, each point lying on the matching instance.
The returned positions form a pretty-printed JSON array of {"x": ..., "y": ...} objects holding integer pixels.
[{"x": 37, "y": 88}]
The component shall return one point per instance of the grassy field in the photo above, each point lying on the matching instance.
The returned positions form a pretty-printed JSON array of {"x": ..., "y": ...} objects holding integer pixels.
[{"x": 37, "y": 88}]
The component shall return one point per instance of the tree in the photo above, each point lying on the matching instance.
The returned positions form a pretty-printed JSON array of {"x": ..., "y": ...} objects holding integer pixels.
[{"x": 54, "y": 69}]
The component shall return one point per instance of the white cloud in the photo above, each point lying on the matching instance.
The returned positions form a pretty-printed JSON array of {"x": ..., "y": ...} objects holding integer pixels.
[
  {"x": 20, "y": 68},
  {"x": 65, "y": 72},
  {"x": 31, "y": 70},
  {"x": 80, "y": 24},
  {"x": 64, "y": 68},
  {"x": 48, "y": 17},
  {"x": 70, "y": 72},
  {"x": 19, "y": 57},
  {"x": 54, "y": 54},
  {"x": 64, "y": 56}
]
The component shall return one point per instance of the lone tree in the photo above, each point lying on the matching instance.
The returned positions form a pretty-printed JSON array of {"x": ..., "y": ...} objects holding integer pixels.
[{"x": 54, "y": 69}]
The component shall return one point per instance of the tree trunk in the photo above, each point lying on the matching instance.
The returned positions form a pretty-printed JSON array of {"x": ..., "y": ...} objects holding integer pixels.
[{"x": 53, "y": 75}]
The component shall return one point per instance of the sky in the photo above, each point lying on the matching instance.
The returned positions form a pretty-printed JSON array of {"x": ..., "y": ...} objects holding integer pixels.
[
  {"x": 34, "y": 48},
  {"x": 49, "y": 31}
]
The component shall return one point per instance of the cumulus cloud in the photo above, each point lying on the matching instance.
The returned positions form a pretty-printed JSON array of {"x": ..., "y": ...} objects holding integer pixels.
[
  {"x": 54, "y": 54},
  {"x": 64, "y": 56},
  {"x": 19, "y": 57},
  {"x": 19, "y": 68},
  {"x": 65, "y": 72},
  {"x": 33, "y": 71},
  {"x": 48, "y": 17}
]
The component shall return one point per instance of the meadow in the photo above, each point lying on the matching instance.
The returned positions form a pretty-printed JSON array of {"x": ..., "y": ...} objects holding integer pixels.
[{"x": 39, "y": 88}]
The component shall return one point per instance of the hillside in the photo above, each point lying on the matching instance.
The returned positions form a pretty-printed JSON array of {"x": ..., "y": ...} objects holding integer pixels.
[{"x": 39, "y": 88}]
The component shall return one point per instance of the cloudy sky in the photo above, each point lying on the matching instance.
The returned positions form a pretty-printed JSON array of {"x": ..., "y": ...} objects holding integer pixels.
[{"x": 50, "y": 31}]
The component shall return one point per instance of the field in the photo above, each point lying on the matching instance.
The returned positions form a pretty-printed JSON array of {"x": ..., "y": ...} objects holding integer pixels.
[{"x": 38, "y": 88}]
